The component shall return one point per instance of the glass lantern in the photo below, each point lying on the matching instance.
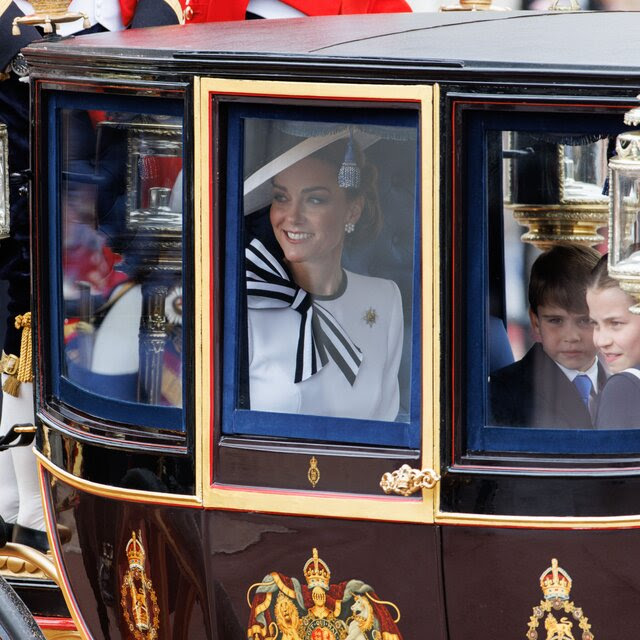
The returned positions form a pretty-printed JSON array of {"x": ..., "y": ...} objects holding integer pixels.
[{"x": 624, "y": 211}]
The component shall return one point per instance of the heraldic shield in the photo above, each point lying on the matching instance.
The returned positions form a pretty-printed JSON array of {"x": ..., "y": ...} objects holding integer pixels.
[{"x": 283, "y": 609}]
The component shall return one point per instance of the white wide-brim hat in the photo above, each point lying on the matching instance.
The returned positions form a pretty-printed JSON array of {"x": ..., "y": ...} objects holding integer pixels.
[{"x": 257, "y": 186}]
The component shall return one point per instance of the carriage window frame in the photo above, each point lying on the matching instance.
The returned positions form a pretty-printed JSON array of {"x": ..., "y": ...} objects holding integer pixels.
[
  {"x": 474, "y": 120},
  {"x": 63, "y": 390},
  {"x": 303, "y": 427}
]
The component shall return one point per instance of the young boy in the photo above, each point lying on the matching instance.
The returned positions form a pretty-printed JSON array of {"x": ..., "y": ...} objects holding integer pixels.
[{"x": 554, "y": 384}]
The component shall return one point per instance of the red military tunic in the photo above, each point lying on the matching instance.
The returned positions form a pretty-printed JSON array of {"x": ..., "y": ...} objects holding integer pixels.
[{"x": 225, "y": 10}]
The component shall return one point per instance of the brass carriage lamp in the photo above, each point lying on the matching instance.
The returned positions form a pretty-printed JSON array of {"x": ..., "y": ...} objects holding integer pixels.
[
  {"x": 624, "y": 210},
  {"x": 4, "y": 182},
  {"x": 554, "y": 187}
]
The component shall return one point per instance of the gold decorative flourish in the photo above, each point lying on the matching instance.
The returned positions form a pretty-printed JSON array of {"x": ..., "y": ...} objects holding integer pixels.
[
  {"x": 556, "y": 584},
  {"x": 314, "y": 473},
  {"x": 405, "y": 481},
  {"x": 138, "y": 595}
]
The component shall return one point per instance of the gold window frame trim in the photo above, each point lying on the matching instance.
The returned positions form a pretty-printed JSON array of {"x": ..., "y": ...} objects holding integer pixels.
[
  {"x": 117, "y": 493},
  {"x": 341, "y": 505}
]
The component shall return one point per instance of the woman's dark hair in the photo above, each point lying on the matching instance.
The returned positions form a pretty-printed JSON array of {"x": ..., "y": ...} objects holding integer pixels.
[{"x": 370, "y": 221}]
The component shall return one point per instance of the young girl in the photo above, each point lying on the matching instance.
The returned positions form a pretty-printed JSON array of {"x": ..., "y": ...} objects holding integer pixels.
[{"x": 616, "y": 334}]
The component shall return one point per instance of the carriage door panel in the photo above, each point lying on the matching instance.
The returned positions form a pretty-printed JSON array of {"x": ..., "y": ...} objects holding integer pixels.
[{"x": 316, "y": 369}]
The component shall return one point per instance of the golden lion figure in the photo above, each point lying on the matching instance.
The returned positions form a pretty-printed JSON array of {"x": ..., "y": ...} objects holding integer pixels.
[{"x": 558, "y": 630}]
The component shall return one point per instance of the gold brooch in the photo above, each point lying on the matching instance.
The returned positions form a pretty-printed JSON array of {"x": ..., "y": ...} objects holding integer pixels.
[{"x": 370, "y": 316}]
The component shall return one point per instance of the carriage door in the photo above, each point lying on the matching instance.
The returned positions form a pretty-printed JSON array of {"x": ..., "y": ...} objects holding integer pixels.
[{"x": 318, "y": 334}]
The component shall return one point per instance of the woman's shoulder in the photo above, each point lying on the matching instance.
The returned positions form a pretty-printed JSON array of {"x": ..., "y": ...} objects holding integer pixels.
[{"x": 371, "y": 285}]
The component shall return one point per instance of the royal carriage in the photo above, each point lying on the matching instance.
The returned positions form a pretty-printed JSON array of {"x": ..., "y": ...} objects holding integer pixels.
[{"x": 193, "y": 506}]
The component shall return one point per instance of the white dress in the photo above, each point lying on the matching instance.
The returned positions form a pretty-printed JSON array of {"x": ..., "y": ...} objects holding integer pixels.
[{"x": 370, "y": 312}]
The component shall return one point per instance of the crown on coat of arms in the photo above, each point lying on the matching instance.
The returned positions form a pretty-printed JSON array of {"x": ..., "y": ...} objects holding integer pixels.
[
  {"x": 316, "y": 572},
  {"x": 555, "y": 582},
  {"x": 135, "y": 553}
]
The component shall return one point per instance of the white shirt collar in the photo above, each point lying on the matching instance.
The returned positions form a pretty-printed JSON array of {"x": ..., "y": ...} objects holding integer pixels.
[{"x": 592, "y": 372}]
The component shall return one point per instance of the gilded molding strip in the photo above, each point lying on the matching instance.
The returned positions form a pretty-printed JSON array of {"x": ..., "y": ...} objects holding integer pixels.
[
  {"x": 535, "y": 522},
  {"x": 118, "y": 493}
]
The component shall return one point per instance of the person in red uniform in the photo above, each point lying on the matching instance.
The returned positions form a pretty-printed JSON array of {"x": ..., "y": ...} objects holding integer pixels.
[{"x": 185, "y": 11}]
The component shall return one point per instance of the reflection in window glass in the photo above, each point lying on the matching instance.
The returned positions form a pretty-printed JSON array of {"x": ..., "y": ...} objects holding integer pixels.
[
  {"x": 543, "y": 366},
  {"x": 329, "y": 237},
  {"x": 121, "y": 202}
]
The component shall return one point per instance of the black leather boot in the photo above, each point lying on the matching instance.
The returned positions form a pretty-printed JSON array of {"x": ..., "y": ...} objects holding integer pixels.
[
  {"x": 30, "y": 537},
  {"x": 6, "y": 531}
]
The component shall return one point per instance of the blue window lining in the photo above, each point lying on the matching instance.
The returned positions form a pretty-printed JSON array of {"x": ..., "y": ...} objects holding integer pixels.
[
  {"x": 296, "y": 426},
  {"x": 480, "y": 436},
  {"x": 133, "y": 413}
]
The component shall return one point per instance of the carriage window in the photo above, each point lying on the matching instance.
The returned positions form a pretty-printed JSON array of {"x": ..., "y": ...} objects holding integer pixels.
[
  {"x": 542, "y": 365},
  {"x": 119, "y": 187},
  {"x": 325, "y": 320}
]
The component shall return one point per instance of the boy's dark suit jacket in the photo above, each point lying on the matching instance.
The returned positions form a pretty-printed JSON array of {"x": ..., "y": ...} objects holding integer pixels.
[{"x": 534, "y": 392}]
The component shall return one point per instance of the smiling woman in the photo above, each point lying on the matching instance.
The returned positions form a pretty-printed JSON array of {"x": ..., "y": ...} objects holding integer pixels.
[{"x": 322, "y": 340}]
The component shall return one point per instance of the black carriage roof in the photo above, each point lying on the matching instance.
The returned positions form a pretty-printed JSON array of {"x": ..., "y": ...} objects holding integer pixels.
[{"x": 594, "y": 41}]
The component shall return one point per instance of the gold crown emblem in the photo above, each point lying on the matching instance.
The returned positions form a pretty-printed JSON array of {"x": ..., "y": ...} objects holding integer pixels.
[
  {"x": 135, "y": 552},
  {"x": 316, "y": 572},
  {"x": 555, "y": 582}
]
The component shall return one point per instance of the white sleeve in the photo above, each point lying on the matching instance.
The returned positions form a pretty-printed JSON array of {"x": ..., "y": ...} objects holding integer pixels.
[{"x": 390, "y": 393}]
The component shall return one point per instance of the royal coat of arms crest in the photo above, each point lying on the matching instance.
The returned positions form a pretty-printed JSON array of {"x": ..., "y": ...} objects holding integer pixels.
[{"x": 285, "y": 609}]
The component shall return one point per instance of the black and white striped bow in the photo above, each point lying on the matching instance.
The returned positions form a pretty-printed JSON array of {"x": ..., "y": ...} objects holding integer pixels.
[{"x": 270, "y": 286}]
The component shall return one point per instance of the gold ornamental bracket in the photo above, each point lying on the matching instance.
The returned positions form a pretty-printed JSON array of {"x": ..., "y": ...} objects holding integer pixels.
[
  {"x": 406, "y": 481},
  {"x": 48, "y": 14}
]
